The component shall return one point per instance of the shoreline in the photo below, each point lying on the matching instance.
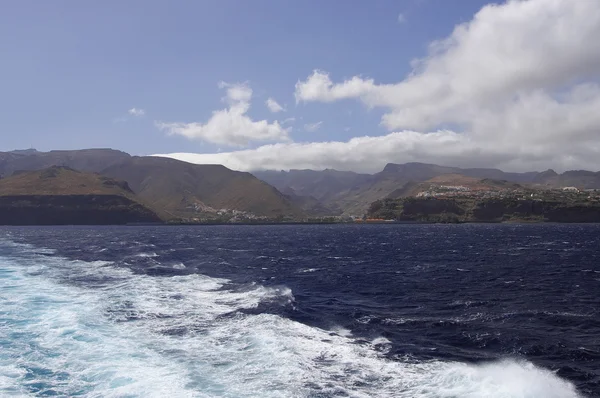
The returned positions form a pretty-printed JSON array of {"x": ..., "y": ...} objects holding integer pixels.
[{"x": 295, "y": 223}]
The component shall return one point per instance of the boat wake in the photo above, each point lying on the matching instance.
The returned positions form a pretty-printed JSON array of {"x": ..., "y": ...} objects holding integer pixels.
[{"x": 75, "y": 328}]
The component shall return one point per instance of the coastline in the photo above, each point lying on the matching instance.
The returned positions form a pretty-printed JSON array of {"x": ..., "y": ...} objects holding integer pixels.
[{"x": 167, "y": 224}]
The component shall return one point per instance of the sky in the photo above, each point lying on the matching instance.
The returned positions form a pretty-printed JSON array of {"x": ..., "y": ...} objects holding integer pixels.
[{"x": 281, "y": 84}]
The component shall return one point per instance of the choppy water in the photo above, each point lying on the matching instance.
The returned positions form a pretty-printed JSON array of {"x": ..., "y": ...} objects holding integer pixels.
[{"x": 301, "y": 311}]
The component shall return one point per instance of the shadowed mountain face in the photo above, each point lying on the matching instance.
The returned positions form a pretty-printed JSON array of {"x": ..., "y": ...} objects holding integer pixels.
[
  {"x": 59, "y": 195},
  {"x": 321, "y": 185},
  {"x": 184, "y": 189}
]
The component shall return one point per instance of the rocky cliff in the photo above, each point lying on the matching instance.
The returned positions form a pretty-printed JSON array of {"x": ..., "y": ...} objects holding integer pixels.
[
  {"x": 485, "y": 210},
  {"x": 73, "y": 210}
]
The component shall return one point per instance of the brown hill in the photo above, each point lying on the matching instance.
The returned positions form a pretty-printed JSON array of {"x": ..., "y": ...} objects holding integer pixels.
[
  {"x": 60, "y": 195},
  {"x": 92, "y": 160},
  {"x": 186, "y": 190},
  {"x": 183, "y": 191},
  {"x": 58, "y": 180}
]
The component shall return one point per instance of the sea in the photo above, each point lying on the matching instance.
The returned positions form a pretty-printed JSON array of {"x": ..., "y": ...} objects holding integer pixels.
[{"x": 398, "y": 310}]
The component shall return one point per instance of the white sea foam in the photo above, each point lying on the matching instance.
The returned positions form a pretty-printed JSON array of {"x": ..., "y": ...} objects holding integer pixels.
[
  {"x": 310, "y": 270},
  {"x": 142, "y": 336},
  {"x": 147, "y": 255}
]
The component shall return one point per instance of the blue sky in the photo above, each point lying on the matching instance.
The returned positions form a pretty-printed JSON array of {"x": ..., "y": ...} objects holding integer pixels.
[
  {"x": 74, "y": 68},
  {"x": 73, "y": 71}
]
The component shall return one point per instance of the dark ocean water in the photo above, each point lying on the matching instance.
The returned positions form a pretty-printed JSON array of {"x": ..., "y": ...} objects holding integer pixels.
[{"x": 301, "y": 311}]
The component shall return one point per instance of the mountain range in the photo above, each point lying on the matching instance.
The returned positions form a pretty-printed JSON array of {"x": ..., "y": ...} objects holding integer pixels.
[
  {"x": 351, "y": 193},
  {"x": 178, "y": 190}
]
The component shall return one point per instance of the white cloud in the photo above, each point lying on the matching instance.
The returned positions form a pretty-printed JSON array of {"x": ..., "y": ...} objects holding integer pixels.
[
  {"x": 319, "y": 87},
  {"x": 274, "y": 105},
  {"x": 236, "y": 93},
  {"x": 230, "y": 126},
  {"x": 312, "y": 127},
  {"x": 401, "y": 18},
  {"x": 289, "y": 120},
  {"x": 523, "y": 71},
  {"x": 519, "y": 84},
  {"x": 137, "y": 112},
  {"x": 371, "y": 154}
]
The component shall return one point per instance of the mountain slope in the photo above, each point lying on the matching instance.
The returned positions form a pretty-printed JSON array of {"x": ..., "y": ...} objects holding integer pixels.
[
  {"x": 582, "y": 179},
  {"x": 60, "y": 195},
  {"x": 355, "y": 192},
  {"x": 186, "y": 190},
  {"x": 92, "y": 160},
  {"x": 321, "y": 185},
  {"x": 57, "y": 180}
]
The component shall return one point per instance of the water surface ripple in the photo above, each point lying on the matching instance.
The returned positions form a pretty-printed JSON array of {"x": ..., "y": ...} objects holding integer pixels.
[{"x": 301, "y": 311}]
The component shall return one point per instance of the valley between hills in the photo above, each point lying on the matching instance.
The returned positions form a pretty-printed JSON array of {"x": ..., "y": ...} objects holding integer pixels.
[{"x": 105, "y": 186}]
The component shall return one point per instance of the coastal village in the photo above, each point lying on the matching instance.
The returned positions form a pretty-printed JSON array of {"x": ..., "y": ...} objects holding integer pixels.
[
  {"x": 453, "y": 191},
  {"x": 474, "y": 189}
]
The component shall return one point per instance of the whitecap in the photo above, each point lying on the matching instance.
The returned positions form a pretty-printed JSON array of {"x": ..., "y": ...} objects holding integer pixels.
[
  {"x": 310, "y": 270},
  {"x": 147, "y": 255}
]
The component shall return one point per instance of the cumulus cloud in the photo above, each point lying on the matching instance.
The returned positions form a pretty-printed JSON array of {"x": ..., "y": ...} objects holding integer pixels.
[
  {"x": 136, "y": 112},
  {"x": 524, "y": 71},
  {"x": 274, "y": 105},
  {"x": 518, "y": 84},
  {"x": 312, "y": 127},
  {"x": 319, "y": 87},
  {"x": 231, "y": 126}
]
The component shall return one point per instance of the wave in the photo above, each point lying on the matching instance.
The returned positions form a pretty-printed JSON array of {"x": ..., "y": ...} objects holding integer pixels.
[
  {"x": 147, "y": 255},
  {"x": 74, "y": 328}
]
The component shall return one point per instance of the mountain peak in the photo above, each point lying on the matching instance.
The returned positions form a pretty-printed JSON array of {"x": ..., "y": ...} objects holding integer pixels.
[{"x": 549, "y": 173}]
